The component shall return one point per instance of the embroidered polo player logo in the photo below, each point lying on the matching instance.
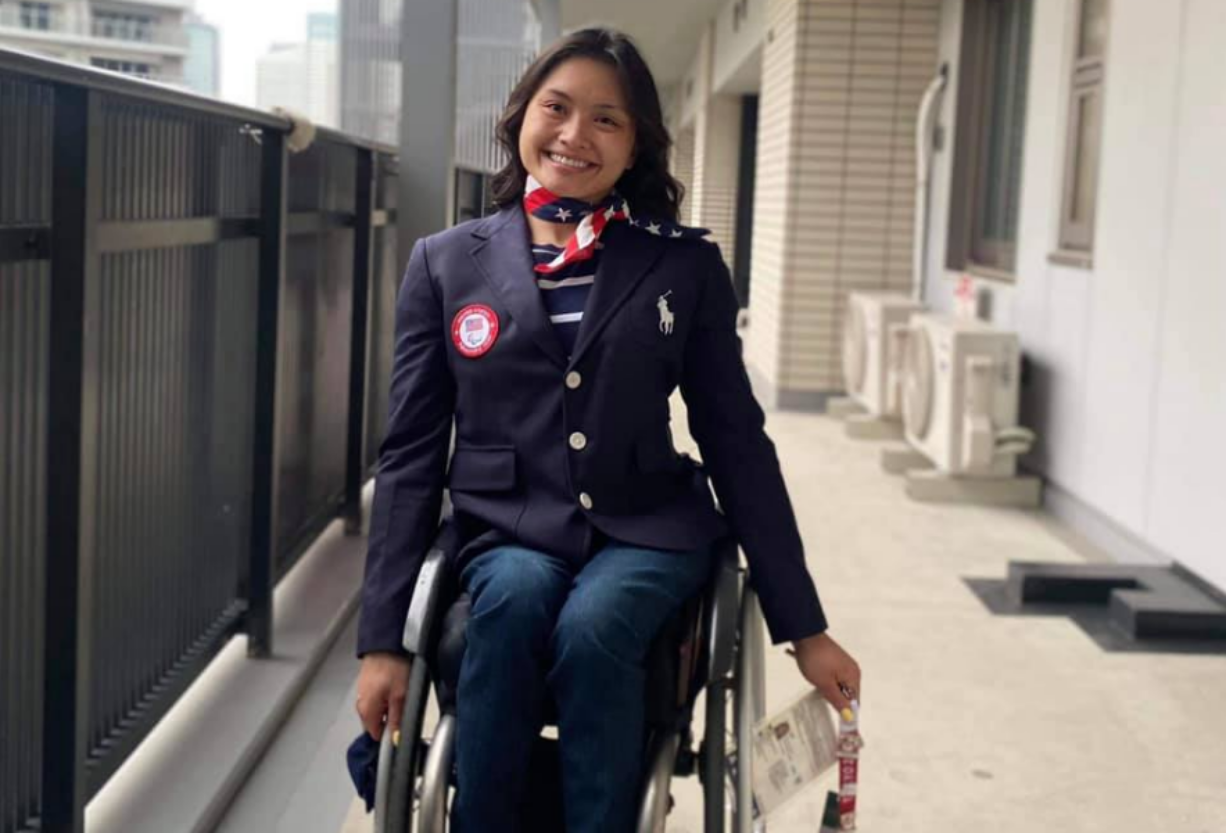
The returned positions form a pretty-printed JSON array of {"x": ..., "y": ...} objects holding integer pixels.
[{"x": 667, "y": 319}]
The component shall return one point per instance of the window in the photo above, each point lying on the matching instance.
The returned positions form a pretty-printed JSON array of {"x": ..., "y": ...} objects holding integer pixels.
[
  {"x": 1084, "y": 139},
  {"x": 36, "y": 16},
  {"x": 126, "y": 67},
  {"x": 121, "y": 26},
  {"x": 990, "y": 134},
  {"x": 472, "y": 195}
]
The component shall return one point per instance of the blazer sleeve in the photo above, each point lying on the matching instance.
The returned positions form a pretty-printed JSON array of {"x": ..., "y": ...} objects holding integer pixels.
[
  {"x": 729, "y": 427},
  {"x": 412, "y": 460}
]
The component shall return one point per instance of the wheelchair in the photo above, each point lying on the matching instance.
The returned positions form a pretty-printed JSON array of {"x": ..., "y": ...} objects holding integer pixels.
[{"x": 715, "y": 643}]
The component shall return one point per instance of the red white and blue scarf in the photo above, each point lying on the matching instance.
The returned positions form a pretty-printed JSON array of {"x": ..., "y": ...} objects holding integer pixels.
[{"x": 540, "y": 202}]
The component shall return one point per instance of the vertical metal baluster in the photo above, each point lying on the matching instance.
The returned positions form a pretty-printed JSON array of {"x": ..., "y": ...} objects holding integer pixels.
[
  {"x": 363, "y": 243},
  {"x": 71, "y": 460},
  {"x": 273, "y": 202}
]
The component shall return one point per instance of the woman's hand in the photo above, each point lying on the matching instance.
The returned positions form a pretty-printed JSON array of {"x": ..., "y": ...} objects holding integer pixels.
[
  {"x": 382, "y": 685},
  {"x": 829, "y": 668}
]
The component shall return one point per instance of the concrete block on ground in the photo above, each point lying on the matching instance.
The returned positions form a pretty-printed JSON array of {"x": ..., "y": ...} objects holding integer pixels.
[
  {"x": 900, "y": 458},
  {"x": 1144, "y": 601},
  {"x": 869, "y": 427},
  {"x": 842, "y": 407},
  {"x": 933, "y": 486}
]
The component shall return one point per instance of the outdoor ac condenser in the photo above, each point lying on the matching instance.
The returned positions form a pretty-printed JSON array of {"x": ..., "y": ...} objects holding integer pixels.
[
  {"x": 960, "y": 396},
  {"x": 874, "y": 329}
]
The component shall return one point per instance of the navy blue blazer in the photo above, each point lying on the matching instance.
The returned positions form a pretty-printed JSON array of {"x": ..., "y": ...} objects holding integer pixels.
[{"x": 547, "y": 449}]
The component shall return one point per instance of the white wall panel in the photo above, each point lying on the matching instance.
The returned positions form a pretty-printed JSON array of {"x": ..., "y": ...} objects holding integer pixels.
[
  {"x": 1186, "y": 475},
  {"x": 1127, "y": 388}
]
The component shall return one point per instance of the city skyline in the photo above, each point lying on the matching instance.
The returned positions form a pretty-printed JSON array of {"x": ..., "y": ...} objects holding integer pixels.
[{"x": 248, "y": 31}]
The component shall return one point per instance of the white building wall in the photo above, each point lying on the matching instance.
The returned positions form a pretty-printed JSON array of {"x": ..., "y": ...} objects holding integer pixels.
[
  {"x": 1127, "y": 387},
  {"x": 280, "y": 80},
  {"x": 301, "y": 78},
  {"x": 323, "y": 73},
  {"x": 740, "y": 29},
  {"x": 73, "y": 36},
  {"x": 1187, "y": 507}
]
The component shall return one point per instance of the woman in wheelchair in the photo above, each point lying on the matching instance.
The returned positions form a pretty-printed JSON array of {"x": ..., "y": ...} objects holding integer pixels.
[{"x": 551, "y": 335}]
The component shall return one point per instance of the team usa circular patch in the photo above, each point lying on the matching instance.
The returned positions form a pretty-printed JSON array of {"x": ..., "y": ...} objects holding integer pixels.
[{"x": 474, "y": 330}]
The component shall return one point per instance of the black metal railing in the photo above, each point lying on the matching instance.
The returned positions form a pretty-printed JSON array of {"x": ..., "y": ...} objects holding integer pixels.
[{"x": 190, "y": 315}]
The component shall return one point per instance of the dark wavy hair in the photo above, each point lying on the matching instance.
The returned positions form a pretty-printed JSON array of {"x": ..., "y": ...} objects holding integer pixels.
[{"x": 648, "y": 186}]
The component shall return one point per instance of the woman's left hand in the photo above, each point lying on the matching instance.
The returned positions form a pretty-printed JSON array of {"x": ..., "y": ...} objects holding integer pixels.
[{"x": 829, "y": 668}]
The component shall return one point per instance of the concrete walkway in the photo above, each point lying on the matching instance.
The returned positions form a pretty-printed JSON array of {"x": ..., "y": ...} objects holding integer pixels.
[{"x": 975, "y": 722}]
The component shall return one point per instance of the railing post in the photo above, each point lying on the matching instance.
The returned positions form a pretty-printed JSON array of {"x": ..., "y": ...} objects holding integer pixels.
[
  {"x": 273, "y": 207},
  {"x": 71, "y": 456},
  {"x": 363, "y": 245}
]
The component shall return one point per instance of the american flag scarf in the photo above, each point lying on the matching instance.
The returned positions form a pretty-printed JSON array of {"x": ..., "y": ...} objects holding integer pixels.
[{"x": 540, "y": 202}]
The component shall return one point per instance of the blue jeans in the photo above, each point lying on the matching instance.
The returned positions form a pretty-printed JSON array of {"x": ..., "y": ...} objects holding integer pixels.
[{"x": 538, "y": 630}]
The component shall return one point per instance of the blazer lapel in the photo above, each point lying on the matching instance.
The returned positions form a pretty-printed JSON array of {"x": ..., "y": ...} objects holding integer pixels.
[
  {"x": 504, "y": 258},
  {"x": 624, "y": 261}
]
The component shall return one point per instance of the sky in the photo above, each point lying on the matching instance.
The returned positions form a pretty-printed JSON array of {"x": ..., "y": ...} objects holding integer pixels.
[{"x": 248, "y": 28}]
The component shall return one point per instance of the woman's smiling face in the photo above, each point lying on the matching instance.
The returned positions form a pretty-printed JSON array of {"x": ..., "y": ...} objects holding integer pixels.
[{"x": 577, "y": 137}]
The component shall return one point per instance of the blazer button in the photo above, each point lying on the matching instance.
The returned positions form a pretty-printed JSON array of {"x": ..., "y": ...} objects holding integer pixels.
[
  {"x": 585, "y": 500},
  {"x": 577, "y": 441},
  {"x": 573, "y": 380}
]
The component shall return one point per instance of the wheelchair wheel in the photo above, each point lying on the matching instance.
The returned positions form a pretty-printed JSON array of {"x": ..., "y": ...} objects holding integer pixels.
[
  {"x": 734, "y": 705},
  {"x": 436, "y": 778},
  {"x": 662, "y": 760},
  {"x": 394, "y": 790}
]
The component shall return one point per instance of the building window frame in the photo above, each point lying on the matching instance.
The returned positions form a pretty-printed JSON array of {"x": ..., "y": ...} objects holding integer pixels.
[
  {"x": 36, "y": 16},
  {"x": 126, "y": 26},
  {"x": 990, "y": 128},
  {"x": 1083, "y": 134},
  {"x": 137, "y": 69}
]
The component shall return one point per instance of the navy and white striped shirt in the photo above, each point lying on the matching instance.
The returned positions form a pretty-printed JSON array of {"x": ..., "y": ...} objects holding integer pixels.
[{"x": 565, "y": 291}]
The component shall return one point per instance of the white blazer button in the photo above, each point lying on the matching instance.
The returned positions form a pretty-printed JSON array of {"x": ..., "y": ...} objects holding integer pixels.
[
  {"x": 585, "y": 500},
  {"x": 577, "y": 441},
  {"x": 573, "y": 380}
]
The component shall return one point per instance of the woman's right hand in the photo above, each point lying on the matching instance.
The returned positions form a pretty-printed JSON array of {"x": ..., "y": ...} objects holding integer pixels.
[{"x": 382, "y": 684}]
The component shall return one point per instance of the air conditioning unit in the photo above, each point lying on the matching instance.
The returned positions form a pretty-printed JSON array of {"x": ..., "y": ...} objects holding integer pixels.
[
  {"x": 874, "y": 330},
  {"x": 960, "y": 396}
]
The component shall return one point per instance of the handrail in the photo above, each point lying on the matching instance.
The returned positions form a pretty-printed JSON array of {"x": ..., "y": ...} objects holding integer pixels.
[
  {"x": 53, "y": 71},
  {"x": 166, "y": 259}
]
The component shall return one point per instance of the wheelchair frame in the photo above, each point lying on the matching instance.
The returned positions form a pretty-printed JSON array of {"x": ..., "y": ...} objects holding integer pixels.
[{"x": 733, "y": 678}]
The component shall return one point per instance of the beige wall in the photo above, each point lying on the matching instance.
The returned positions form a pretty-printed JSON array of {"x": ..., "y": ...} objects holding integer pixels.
[
  {"x": 841, "y": 82},
  {"x": 717, "y": 149},
  {"x": 707, "y": 129},
  {"x": 682, "y": 165}
]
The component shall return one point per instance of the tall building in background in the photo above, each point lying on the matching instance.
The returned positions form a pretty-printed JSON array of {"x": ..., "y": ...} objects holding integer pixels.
[
  {"x": 370, "y": 69},
  {"x": 202, "y": 70},
  {"x": 302, "y": 76},
  {"x": 145, "y": 39},
  {"x": 495, "y": 41}
]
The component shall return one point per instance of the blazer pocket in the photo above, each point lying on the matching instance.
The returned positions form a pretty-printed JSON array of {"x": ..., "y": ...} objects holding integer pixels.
[{"x": 482, "y": 468}]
